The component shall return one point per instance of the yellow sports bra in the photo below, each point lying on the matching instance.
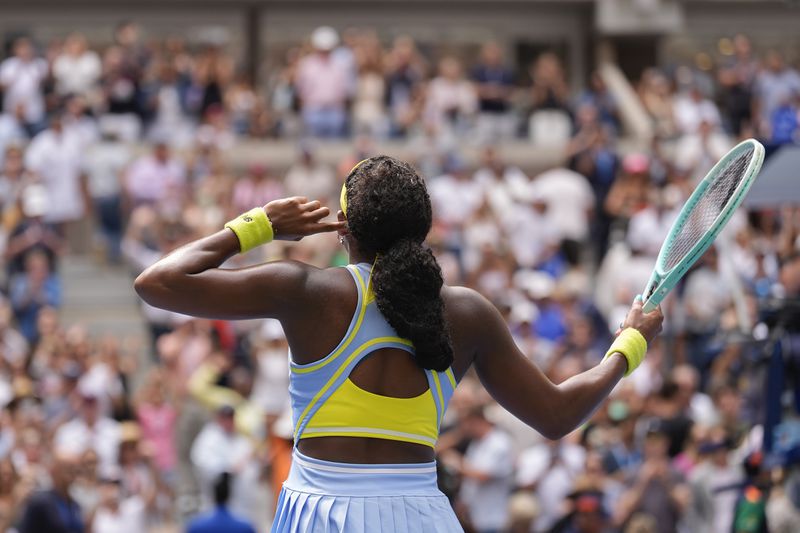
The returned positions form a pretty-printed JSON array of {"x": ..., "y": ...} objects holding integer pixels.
[{"x": 325, "y": 402}]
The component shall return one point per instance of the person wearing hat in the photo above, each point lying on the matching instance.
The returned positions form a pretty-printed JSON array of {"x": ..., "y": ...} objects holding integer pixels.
[{"x": 323, "y": 84}]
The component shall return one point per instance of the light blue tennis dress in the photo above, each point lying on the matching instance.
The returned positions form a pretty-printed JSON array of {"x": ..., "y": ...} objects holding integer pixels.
[{"x": 331, "y": 497}]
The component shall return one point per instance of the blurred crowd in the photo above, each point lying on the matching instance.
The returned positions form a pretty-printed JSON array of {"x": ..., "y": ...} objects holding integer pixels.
[{"x": 121, "y": 150}]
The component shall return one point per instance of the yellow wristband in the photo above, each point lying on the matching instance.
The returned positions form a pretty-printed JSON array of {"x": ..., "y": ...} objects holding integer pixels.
[
  {"x": 631, "y": 344},
  {"x": 253, "y": 228}
]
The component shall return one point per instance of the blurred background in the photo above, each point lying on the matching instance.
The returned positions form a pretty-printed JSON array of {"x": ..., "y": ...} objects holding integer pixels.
[{"x": 558, "y": 138}]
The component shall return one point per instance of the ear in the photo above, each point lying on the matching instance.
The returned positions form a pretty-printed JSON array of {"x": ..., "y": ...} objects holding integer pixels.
[{"x": 340, "y": 216}]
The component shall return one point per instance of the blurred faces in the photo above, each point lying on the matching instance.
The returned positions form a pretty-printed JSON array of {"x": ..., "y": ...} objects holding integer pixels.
[
  {"x": 63, "y": 472},
  {"x": 450, "y": 69},
  {"x": 492, "y": 54},
  {"x": 23, "y": 49}
]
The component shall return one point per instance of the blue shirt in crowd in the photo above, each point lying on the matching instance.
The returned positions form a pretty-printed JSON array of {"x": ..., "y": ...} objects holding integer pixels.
[{"x": 220, "y": 520}]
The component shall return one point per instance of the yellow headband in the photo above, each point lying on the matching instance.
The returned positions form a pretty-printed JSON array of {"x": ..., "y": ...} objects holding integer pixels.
[{"x": 343, "y": 195}]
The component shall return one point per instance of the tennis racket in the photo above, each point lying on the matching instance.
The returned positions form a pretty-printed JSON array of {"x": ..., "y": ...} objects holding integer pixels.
[{"x": 705, "y": 213}]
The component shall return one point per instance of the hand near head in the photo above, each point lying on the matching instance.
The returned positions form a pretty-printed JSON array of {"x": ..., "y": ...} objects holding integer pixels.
[
  {"x": 296, "y": 217},
  {"x": 648, "y": 324}
]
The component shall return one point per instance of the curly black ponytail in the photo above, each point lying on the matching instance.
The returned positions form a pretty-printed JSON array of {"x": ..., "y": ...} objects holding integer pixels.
[{"x": 389, "y": 213}]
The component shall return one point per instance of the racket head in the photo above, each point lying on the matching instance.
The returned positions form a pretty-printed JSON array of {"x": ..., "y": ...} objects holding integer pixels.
[{"x": 703, "y": 216}]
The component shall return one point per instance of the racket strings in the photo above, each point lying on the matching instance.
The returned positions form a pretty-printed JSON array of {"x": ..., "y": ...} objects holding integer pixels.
[{"x": 708, "y": 208}]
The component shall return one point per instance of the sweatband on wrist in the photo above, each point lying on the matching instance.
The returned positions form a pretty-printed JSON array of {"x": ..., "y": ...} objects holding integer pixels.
[
  {"x": 632, "y": 345},
  {"x": 253, "y": 228}
]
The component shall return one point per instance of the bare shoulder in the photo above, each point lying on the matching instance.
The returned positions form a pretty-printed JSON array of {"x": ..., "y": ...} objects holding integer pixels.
[
  {"x": 463, "y": 303},
  {"x": 471, "y": 318}
]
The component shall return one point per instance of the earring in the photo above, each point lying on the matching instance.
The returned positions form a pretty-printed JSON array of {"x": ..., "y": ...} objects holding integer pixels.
[{"x": 341, "y": 239}]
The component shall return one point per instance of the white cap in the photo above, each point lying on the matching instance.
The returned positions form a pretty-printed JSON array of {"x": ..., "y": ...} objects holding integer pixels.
[
  {"x": 35, "y": 201},
  {"x": 324, "y": 38},
  {"x": 536, "y": 284}
]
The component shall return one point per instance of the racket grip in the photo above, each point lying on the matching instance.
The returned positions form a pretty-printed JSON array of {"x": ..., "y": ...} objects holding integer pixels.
[{"x": 649, "y": 306}]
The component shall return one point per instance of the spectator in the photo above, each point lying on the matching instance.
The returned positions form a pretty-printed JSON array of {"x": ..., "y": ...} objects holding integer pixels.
[
  {"x": 550, "y": 120},
  {"x": 369, "y": 116},
  {"x": 548, "y": 469},
  {"x": 403, "y": 85},
  {"x": 308, "y": 177},
  {"x": 715, "y": 485},
  {"x": 105, "y": 164},
  {"x": 259, "y": 187},
  {"x": 77, "y": 69},
  {"x": 157, "y": 417},
  {"x": 155, "y": 178},
  {"x": 220, "y": 448},
  {"x": 494, "y": 82},
  {"x": 11, "y": 134},
  {"x": 30, "y": 292},
  {"x": 22, "y": 79},
  {"x": 736, "y": 78},
  {"x": 656, "y": 490},
  {"x": 694, "y": 109},
  {"x": 487, "y": 471},
  {"x": 656, "y": 95},
  {"x": 117, "y": 513},
  {"x": 775, "y": 85},
  {"x": 599, "y": 97},
  {"x": 90, "y": 430},
  {"x": 220, "y": 520},
  {"x": 323, "y": 86},
  {"x": 707, "y": 295},
  {"x": 120, "y": 84},
  {"x": 54, "y": 510},
  {"x": 56, "y": 157},
  {"x": 167, "y": 104},
  {"x": 450, "y": 100},
  {"x": 31, "y": 232}
]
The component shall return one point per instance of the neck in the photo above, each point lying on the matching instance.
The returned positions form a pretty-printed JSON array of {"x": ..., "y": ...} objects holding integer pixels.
[{"x": 359, "y": 256}]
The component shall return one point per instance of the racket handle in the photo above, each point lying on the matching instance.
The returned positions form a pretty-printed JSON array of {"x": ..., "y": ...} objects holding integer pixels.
[{"x": 649, "y": 306}]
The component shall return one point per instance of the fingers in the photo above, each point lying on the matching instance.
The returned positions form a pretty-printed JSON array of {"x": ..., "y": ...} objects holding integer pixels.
[
  {"x": 330, "y": 226},
  {"x": 311, "y": 206}
]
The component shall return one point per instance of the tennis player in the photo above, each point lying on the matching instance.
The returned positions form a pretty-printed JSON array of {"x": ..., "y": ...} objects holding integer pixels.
[{"x": 377, "y": 349}]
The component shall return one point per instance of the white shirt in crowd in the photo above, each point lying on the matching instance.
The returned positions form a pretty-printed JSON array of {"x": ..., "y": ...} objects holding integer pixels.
[
  {"x": 23, "y": 87},
  {"x": 455, "y": 200},
  {"x": 128, "y": 518},
  {"x": 502, "y": 191},
  {"x": 531, "y": 235},
  {"x": 10, "y": 133},
  {"x": 552, "y": 468},
  {"x": 569, "y": 200},
  {"x": 76, "y": 74},
  {"x": 446, "y": 96},
  {"x": 706, "y": 295},
  {"x": 215, "y": 451},
  {"x": 76, "y": 437},
  {"x": 690, "y": 113},
  {"x": 58, "y": 160},
  {"x": 648, "y": 229},
  {"x": 488, "y": 501},
  {"x": 105, "y": 162}
]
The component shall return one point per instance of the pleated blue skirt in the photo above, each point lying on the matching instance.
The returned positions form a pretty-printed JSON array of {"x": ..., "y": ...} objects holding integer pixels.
[{"x": 327, "y": 497}]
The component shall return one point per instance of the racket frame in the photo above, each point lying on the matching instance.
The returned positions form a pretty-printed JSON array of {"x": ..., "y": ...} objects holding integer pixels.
[{"x": 663, "y": 281}]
